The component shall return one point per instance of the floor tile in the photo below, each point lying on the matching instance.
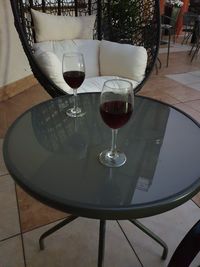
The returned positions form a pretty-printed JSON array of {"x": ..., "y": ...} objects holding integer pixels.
[
  {"x": 175, "y": 48},
  {"x": 182, "y": 93},
  {"x": 3, "y": 126},
  {"x": 11, "y": 254},
  {"x": 9, "y": 220},
  {"x": 185, "y": 78},
  {"x": 196, "y": 73},
  {"x": 196, "y": 199},
  {"x": 178, "y": 63},
  {"x": 3, "y": 169},
  {"x": 170, "y": 226},
  {"x": 77, "y": 245},
  {"x": 161, "y": 96},
  {"x": 195, "y": 104},
  {"x": 195, "y": 86},
  {"x": 33, "y": 213},
  {"x": 188, "y": 110},
  {"x": 159, "y": 82}
]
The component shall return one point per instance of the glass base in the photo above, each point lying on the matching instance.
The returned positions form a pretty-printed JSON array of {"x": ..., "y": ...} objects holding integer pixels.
[
  {"x": 72, "y": 112},
  {"x": 110, "y": 160}
]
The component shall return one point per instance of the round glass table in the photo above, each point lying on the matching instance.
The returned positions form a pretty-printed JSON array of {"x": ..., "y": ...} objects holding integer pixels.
[{"x": 55, "y": 159}]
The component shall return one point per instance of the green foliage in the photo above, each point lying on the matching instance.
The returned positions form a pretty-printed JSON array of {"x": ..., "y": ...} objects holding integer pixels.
[{"x": 122, "y": 15}]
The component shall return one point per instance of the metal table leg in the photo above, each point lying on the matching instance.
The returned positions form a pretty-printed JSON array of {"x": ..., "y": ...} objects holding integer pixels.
[
  {"x": 54, "y": 229},
  {"x": 102, "y": 230},
  {"x": 153, "y": 236}
]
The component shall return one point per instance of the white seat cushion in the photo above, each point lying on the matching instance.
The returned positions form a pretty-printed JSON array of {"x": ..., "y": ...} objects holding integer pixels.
[
  {"x": 52, "y": 67},
  {"x": 123, "y": 60},
  {"x": 49, "y": 57},
  {"x": 50, "y": 27},
  {"x": 89, "y": 49},
  {"x": 95, "y": 84}
]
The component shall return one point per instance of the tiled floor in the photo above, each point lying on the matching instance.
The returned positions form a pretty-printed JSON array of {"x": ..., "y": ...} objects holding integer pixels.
[
  {"x": 190, "y": 79},
  {"x": 175, "y": 47},
  {"x": 23, "y": 219}
]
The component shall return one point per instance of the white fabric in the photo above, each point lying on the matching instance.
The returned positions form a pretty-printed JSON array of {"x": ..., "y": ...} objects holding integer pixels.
[
  {"x": 123, "y": 60},
  {"x": 95, "y": 84},
  {"x": 52, "y": 67},
  {"x": 49, "y": 57},
  {"x": 50, "y": 27},
  {"x": 89, "y": 49}
]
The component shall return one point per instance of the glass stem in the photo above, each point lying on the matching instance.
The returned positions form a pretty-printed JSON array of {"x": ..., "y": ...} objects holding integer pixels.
[
  {"x": 113, "y": 150},
  {"x": 75, "y": 99}
]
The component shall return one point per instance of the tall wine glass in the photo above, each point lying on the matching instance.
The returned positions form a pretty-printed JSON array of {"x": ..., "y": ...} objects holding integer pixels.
[
  {"x": 73, "y": 68},
  {"x": 116, "y": 107}
]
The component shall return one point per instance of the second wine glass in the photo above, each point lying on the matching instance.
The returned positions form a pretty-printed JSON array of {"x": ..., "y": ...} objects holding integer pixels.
[
  {"x": 73, "y": 68},
  {"x": 116, "y": 107}
]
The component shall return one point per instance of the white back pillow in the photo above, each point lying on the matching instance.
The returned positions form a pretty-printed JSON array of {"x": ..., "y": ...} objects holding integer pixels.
[
  {"x": 50, "y": 27},
  {"x": 89, "y": 49},
  {"x": 123, "y": 60},
  {"x": 52, "y": 67}
]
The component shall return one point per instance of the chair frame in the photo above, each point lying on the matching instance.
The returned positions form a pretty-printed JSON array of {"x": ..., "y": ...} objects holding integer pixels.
[
  {"x": 196, "y": 39},
  {"x": 188, "y": 248},
  {"x": 145, "y": 31},
  {"x": 188, "y": 25}
]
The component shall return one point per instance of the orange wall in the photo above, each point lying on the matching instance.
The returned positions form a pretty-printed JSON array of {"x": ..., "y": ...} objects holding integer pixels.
[
  {"x": 162, "y": 6},
  {"x": 180, "y": 19}
]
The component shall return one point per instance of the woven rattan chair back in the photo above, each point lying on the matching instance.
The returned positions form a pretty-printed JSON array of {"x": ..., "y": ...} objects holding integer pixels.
[{"x": 126, "y": 21}]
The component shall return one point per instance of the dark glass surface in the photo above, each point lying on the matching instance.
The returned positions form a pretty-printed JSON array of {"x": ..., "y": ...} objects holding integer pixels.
[{"x": 55, "y": 158}]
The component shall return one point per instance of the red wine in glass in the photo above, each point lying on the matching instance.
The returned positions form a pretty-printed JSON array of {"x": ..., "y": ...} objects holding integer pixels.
[
  {"x": 116, "y": 113},
  {"x": 74, "y": 78},
  {"x": 116, "y": 108},
  {"x": 73, "y": 70}
]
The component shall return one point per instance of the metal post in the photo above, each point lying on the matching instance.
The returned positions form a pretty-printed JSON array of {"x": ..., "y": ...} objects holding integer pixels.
[{"x": 102, "y": 230}]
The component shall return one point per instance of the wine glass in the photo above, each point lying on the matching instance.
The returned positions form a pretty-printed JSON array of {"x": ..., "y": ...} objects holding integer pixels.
[
  {"x": 116, "y": 107},
  {"x": 73, "y": 69}
]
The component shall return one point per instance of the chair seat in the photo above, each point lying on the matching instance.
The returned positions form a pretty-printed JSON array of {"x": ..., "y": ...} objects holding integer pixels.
[
  {"x": 187, "y": 30},
  {"x": 166, "y": 26},
  {"x": 103, "y": 61},
  {"x": 95, "y": 84}
]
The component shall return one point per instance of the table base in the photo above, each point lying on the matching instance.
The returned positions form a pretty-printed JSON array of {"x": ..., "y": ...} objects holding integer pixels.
[{"x": 102, "y": 231}]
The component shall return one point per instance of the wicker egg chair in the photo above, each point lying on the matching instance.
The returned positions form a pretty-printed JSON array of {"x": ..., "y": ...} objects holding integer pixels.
[{"x": 126, "y": 21}]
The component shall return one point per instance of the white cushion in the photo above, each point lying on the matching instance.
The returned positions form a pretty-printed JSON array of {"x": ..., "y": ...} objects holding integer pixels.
[
  {"x": 123, "y": 60},
  {"x": 52, "y": 67},
  {"x": 95, "y": 84},
  {"x": 49, "y": 57},
  {"x": 50, "y": 27},
  {"x": 56, "y": 47},
  {"x": 89, "y": 49}
]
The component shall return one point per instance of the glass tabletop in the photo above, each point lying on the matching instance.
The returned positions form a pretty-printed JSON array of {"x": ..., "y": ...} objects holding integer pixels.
[{"x": 55, "y": 159}]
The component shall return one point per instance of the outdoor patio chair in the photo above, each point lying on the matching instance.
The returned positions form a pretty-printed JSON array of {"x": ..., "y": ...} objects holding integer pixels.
[
  {"x": 168, "y": 23},
  {"x": 128, "y": 21},
  {"x": 196, "y": 39},
  {"x": 188, "y": 25},
  {"x": 168, "y": 27},
  {"x": 188, "y": 248}
]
